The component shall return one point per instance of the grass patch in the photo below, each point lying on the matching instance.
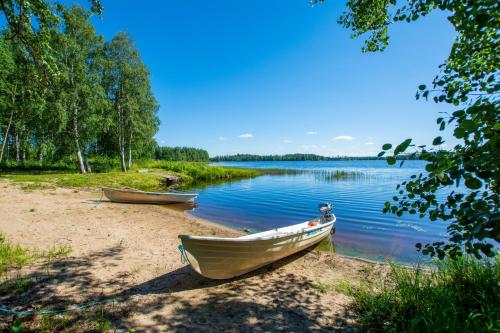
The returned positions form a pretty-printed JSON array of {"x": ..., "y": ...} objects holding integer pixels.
[
  {"x": 54, "y": 323},
  {"x": 323, "y": 287},
  {"x": 16, "y": 256},
  {"x": 13, "y": 255},
  {"x": 336, "y": 175},
  {"x": 454, "y": 296},
  {"x": 199, "y": 171},
  {"x": 147, "y": 182},
  {"x": 154, "y": 180},
  {"x": 20, "y": 284}
]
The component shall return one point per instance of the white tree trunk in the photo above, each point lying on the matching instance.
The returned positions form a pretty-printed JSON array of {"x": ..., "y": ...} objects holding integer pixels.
[
  {"x": 121, "y": 139},
  {"x": 130, "y": 150},
  {"x": 76, "y": 135},
  {"x": 6, "y": 136}
]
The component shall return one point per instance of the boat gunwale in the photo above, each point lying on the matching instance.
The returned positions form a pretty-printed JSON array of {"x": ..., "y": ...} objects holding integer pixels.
[{"x": 270, "y": 237}]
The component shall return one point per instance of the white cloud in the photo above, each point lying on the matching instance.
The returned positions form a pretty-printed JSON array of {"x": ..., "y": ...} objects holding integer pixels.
[
  {"x": 245, "y": 136},
  {"x": 221, "y": 138},
  {"x": 311, "y": 133},
  {"x": 369, "y": 143},
  {"x": 343, "y": 137},
  {"x": 287, "y": 141},
  {"x": 323, "y": 146}
]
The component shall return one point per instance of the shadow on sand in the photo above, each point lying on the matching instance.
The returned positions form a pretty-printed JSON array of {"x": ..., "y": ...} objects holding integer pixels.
[{"x": 269, "y": 299}]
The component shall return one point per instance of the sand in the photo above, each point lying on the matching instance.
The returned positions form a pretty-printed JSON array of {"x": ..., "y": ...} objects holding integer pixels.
[{"x": 129, "y": 253}]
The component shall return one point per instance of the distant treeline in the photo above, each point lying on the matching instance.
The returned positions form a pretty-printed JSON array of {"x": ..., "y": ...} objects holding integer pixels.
[
  {"x": 181, "y": 154},
  {"x": 295, "y": 157}
]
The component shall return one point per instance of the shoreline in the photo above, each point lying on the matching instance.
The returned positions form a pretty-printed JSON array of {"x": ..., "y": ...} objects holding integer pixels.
[{"x": 130, "y": 252}]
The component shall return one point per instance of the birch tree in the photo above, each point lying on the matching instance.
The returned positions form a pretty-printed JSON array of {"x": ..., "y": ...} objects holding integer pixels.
[
  {"x": 80, "y": 92},
  {"x": 127, "y": 85}
]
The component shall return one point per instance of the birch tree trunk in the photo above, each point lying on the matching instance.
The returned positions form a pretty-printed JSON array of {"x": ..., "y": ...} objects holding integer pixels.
[
  {"x": 6, "y": 136},
  {"x": 121, "y": 139},
  {"x": 130, "y": 150},
  {"x": 76, "y": 135},
  {"x": 17, "y": 144}
]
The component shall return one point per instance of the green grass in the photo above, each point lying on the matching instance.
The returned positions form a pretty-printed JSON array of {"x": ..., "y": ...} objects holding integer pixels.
[
  {"x": 94, "y": 180},
  {"x": 13, "y": 255},
  {"x": 336, "y": 175},
  {"x": 19, "y": 284},
  {"x": 188, "y": 173},
  {"x": 460, "y": 295},
  {"x": 16, "y": 256},
  {"x": 323, "y": 287},
  {"x": 198, "y": 171}
]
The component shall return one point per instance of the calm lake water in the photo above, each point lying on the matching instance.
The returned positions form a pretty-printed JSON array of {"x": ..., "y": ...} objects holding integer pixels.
[{"x": 363, "y": 230}]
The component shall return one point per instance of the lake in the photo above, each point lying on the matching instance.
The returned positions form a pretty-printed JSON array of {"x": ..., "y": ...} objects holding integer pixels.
[{"x": 272, "y": 201}]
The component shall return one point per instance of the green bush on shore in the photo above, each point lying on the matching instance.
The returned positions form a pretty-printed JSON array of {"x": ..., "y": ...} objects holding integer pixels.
[{"x": 461, "y": 295}]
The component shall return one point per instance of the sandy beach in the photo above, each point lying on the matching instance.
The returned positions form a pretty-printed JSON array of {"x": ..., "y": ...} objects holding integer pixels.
[{"x": 129, "y": 253}]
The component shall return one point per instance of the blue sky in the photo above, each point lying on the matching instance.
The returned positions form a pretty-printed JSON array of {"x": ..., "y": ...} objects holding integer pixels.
[{"x": 280, "y": 76}]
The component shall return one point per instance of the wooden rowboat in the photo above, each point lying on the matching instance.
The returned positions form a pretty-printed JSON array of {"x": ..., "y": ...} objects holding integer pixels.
[
  {"x": 141, "y": 197},
  {"x": 224, "y": 258}
]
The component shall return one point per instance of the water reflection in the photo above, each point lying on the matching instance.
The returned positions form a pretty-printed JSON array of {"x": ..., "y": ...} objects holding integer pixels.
[{"x": 182, "y": 207}]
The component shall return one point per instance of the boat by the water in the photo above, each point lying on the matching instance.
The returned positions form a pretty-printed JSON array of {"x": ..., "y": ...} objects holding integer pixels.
[
  {"x": 224, "y": 258},
  {"x": 141, "y": 197}
]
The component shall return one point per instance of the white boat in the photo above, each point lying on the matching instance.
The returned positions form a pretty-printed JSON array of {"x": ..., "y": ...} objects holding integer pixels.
[
  {"x": 141, "y": 197},
  {"x": 224, "y": 258}
]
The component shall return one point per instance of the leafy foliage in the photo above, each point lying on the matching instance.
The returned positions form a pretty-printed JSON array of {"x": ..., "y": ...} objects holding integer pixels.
[
  {"x": 467, "y": 80},
  {"x": 30, "y": 25},
  {"x": 74, "y": 118},
  {"x": 455, "y": 296}
]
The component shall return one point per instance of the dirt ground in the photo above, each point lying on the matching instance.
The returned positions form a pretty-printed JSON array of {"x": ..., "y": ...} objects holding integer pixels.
[{"x": 129, "y": 253}]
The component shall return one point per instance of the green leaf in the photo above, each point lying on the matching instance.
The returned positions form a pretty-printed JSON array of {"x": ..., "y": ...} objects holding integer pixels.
[
  {"x": 473, "y": 183},
  {"x": 459, "y": 132},
  {"x": 387, "y": 146},
  {"x": 381, "y": 154},
  {"x": 421, "y": 87},
  {"x": 390, "y": 160},
  {"x": 468, "y": 125},
  {"x": 437, "y": 141},
  {"x": 402, "y": 147}
]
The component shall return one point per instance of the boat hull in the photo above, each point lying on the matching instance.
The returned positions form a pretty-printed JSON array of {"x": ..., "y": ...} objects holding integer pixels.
[
  {"x": 140, "y": 197},
  {"x": 227, "y": 258}
]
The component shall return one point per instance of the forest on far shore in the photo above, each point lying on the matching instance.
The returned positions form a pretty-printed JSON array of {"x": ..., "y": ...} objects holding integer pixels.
[{"x": 299, "y": 157}]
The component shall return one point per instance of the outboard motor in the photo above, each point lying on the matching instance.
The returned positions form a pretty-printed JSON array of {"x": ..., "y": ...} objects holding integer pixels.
[{"x": 326, "y": 209}]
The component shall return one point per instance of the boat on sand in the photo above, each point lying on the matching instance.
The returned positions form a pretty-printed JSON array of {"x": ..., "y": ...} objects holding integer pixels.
[
  {"x": 224, "y": 258},
  {"x": 141, "y": 197}
]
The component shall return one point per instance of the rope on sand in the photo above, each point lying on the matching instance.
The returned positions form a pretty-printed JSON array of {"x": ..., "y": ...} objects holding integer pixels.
[{"x": 57, "y": 311}]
